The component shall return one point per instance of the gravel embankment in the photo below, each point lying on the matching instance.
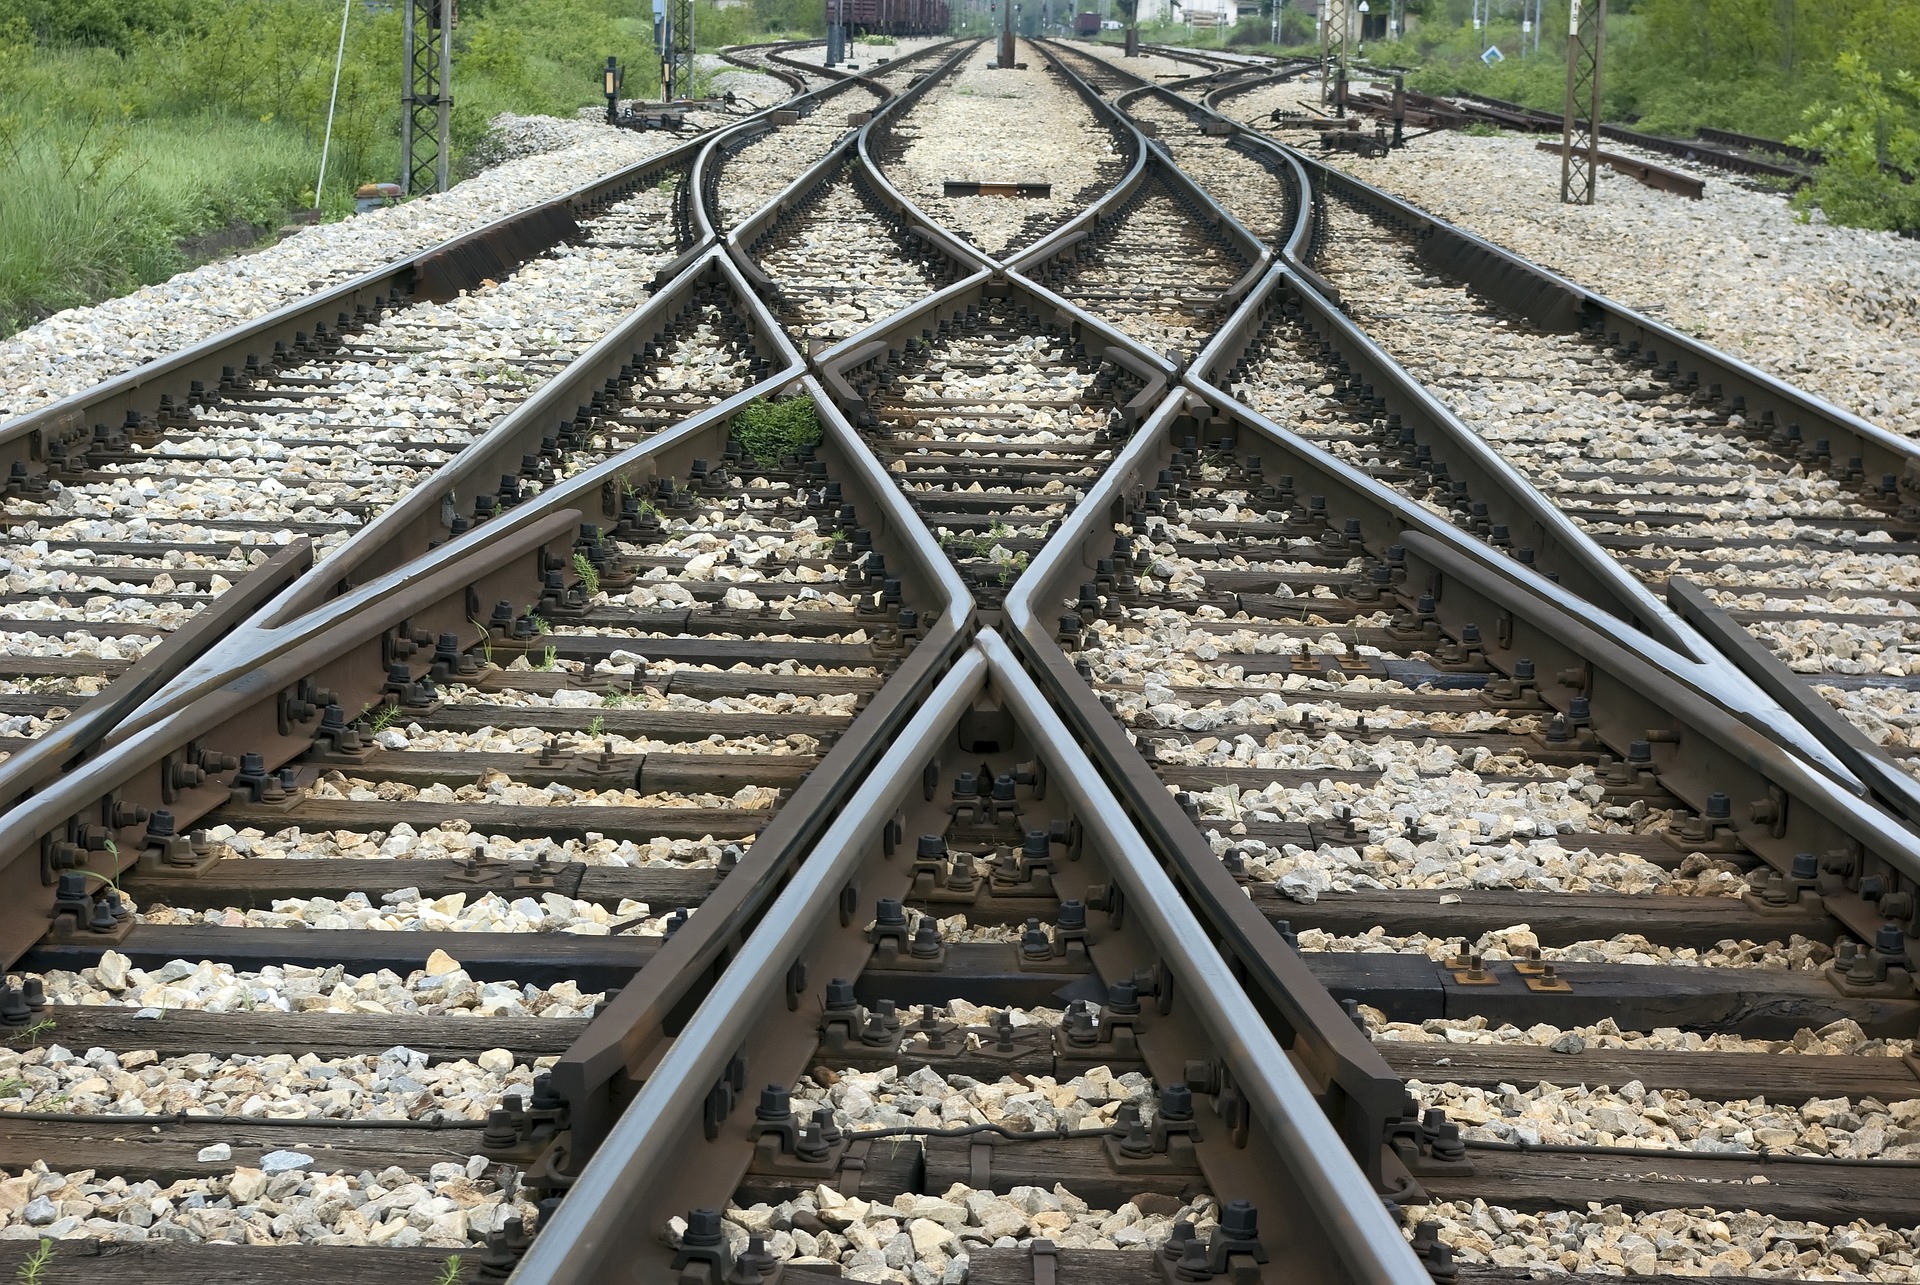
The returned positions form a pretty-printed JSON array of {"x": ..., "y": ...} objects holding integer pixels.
[
  {"x": 1002, "y": 127},
  {"x": 1833, "y": 310}
]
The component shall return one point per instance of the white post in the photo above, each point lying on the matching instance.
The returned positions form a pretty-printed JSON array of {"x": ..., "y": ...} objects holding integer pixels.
[{"x": 339, "y": 55}]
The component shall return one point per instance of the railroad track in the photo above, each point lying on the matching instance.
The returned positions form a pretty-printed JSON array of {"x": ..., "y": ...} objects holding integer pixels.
[{"x": 986, "y": 745}]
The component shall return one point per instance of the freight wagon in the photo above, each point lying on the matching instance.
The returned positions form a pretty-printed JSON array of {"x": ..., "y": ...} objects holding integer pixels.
[{"x": 890, "y": 17}]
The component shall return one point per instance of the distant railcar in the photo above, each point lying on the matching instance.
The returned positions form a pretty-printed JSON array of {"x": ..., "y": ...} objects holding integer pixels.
[
  {"x": 1086, "y": 24},
  {"x": 890, "y": 17}
]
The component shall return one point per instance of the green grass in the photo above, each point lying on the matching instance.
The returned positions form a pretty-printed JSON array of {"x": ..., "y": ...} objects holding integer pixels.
[
  {"x": 769, "y": 430},
  {"x": 106, "y": 215},
  {"x": 129, "y": 126}
]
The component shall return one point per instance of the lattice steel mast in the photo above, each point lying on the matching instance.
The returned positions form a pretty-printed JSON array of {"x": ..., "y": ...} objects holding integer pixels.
[
  {"x": 1334, "y": 17},
  {"x": 426, "y": 100},
  {"x": 1580, "y": 138},
  {"x": 680, "y": 65}
]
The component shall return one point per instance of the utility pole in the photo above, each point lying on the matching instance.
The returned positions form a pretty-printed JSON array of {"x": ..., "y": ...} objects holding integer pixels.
[
  {"x": 1006, "y": 33},
  {"x": 426, "y": 100},
  {"x": 1580, "y": 139}
]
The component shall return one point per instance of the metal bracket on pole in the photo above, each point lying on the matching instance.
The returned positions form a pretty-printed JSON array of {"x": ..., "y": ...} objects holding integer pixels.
[
  {"x": 426, "y": 99},
  {"x": 1580, "y": 137}
]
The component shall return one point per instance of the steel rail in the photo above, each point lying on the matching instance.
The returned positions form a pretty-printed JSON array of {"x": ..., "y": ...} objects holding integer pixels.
[
  {"x": 1271, "y": 153},
  {"x": 1704, "y": 665},
  {"x": 440, "y": 271},
  {"x": 1637, "y": 689},
  {"x": 317, "y": 605},
  {"x": 92, "y": 819},
  {"x": 61, "y": 747},
  {"x": 1712, "y": 731},
  {"x": 1583, "y": 566},
  {"x": 1890, "y": 783},
  {"x": 378, "y": 555},
  {"x": 597, "y": 1073},
  {"x": 1123, "y": 129},
  {"x": 1365, "y": 1238},
  {"x": 594, "y": 1232},
  {"x": 1555, "y": 540},
  {"x": 876, "y": 132},
  {"x": 747, "y": 232},
  {"x": 614, "y": 1209},
  {"x": 791, "y": 79},
  {"x": 720, "y": 146},
  {"x": 1600, "y": 572},
  {"x": 1554, "y": 302},
  {"x": 1362, "y": 1094},
  {"x": 401, "y": 532}
]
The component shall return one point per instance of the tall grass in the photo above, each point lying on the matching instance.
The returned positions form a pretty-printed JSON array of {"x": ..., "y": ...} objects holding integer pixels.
[
  {"x": 109, "y": 202},
  {"x": 127, "y": 126}
]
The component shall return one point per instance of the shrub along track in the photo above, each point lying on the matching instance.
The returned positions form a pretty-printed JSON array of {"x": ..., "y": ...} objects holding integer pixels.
[{"x": 1038, "y": 740}]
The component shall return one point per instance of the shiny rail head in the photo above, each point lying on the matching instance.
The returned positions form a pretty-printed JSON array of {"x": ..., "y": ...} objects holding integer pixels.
[
  {"x": 270, "y": 692},
  {"x": 985, "y": 772},
  {"x": 1713, "y": 740},
  {"x": 1494, "y": 499}
]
